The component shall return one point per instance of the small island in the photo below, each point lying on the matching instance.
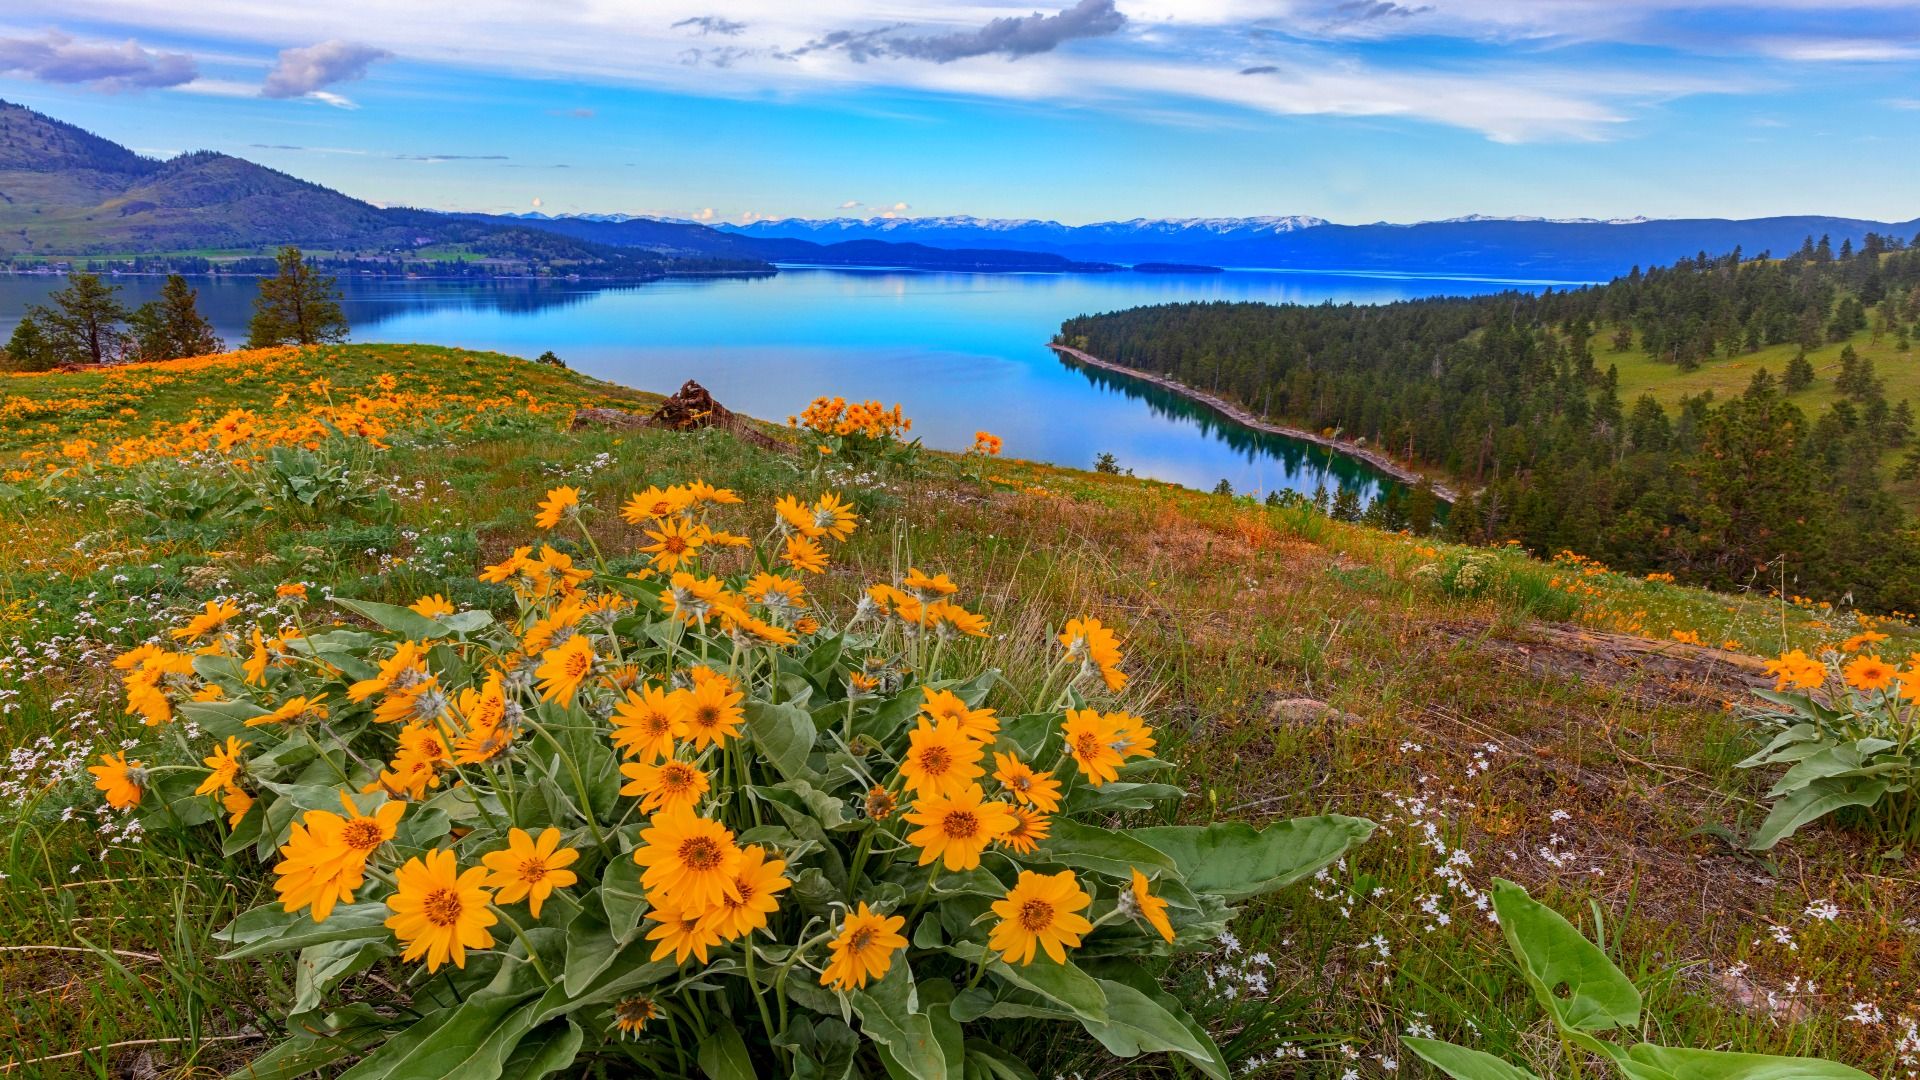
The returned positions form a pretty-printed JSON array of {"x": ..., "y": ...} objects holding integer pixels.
[{"x": 1175, "y": 268}]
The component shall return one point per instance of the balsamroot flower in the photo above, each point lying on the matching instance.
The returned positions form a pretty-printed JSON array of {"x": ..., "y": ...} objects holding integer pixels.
[
  {"x": 121, "y": 780},
  {"x": 940, "y": 758},
  {"x": 440, "y": 912},
  {"x": 957, "y": 828},
  {"x": 1041, "y": 910},
  {"x": 690, "y": 860},
  {"x": 863, "y": 949},
  {"x": 560, "y": 502},
  {"x": 529, "y": 868}
]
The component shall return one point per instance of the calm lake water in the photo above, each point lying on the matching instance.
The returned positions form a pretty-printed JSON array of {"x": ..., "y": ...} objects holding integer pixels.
[{"x": 961, "y": 352}]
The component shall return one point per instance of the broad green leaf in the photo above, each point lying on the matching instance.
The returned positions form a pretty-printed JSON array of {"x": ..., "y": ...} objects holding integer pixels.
[
  {"x": 1810, "y": 803},
  {"x": 472, "y": 1041},
  {"x": 408, "y": 624},
  {"x": 1139, "y": 1025},
  {"x": 1089, "y": 847},
  {"x": 590, "y": 949},
  {"x": 272, "y": 929},
  {"x": 621, "y": 896},
  {"x": 466, "y": 622},
  {"x": 785, "y": 734},
  {"x": 890, "y": 1015},
  {"x": 546, "y": 1050},
  {"x": 723, "y": 1054},
  {"x": 1235, "y": 860},
  {"x": 1120, "y": 795},
  {"x": 1574, "y": 981},
  {"x": 1462, "y": 1063},
  {"x": 1132, "y": 974},
  {"x": 322, "y": 967},
  {"x": 1846, "y": 759},
  {"x": 1650, "y": 1062},
  {"x": 171, "y": 803},
  {"x": 1064, "y": 984},
  {"x": 994, "y": 1063}
]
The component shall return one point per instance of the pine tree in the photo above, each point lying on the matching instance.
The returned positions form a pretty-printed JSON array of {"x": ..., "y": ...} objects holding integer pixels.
[
  {"x": 296, "y": 306},
  {"x": 1346, "y": 505},
  {"x": 1421, "y": 507},
  {"x": 172, "y": 326},
  {"x": 83, "y": 324},
  {"x": 1223, "y": 487},
  {"x": 1799, "y": 373},
  {"x": 28, "y": 349}
]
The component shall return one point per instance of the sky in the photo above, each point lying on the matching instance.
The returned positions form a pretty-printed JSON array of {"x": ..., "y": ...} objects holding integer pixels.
[{"x": 1071, "y": 110}]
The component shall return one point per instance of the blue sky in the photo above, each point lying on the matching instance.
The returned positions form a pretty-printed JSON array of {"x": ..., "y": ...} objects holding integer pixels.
[{"x": 1077, "y": 110}]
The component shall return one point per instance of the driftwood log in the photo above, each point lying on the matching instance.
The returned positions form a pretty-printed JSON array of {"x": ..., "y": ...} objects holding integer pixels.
[{"x": 691, "y": 408}]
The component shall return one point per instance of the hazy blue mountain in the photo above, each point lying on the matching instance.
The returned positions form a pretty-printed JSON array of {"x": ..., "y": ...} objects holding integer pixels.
[{"x": 1530, "y": 247}]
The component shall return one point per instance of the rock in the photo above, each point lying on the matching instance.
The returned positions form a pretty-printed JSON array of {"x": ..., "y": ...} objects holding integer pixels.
[
  {"x": 1306, "y": 710},
  {"x": 693, "y": 407}
]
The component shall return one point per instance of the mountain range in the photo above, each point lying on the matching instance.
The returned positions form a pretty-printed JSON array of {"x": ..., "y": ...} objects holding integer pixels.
[
  {"x": 65, "y": 192},
  {"x": 1565, "y": 249}
]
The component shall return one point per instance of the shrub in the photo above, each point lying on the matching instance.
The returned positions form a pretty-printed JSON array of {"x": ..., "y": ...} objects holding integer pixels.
[{"x": 675, "y": 820}]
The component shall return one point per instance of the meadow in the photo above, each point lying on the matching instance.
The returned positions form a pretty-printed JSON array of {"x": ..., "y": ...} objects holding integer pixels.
[{"x": 1557, "y": 724}]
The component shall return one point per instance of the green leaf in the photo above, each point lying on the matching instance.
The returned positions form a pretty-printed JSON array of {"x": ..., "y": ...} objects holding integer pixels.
[
  {"x": 1574, "y": 981},
  {"x": 1139, "y": 1025},
  {"x": 272, "y": 929},
  {"x": 993, "y": 1063},
  {"x": 545, "y": 1051},
  {"x": 1650, "y": 1062},
  {"x": 723, "y": 1054},
  {"x": 1120, "y": 795},
  {"x": 1818, "y": 799},
  {"x": 1235, "y": 860},
  {"x": 408, "y": 624},
  {"x": 1063, "y": 984},
  {"x": 889, "y": 1015},
  {"x": 472, "y": 1041},
  {"x": 590, "y": 949},
  {"x": 1462, "y": 1063},
  {"x": 624, "y": 901},
  {"x": 322, "y": 967},
  {"x": 785, "y": 734},
  {"x": 1104, "y": 851},
  {"x": 1135, "y": 976}
]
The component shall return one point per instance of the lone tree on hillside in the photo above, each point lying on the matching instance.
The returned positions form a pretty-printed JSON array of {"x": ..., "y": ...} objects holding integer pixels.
[
  {"x": 296, "y": 306},
  {"x": 82, "y": 325},
  {"x": 172, "y": 326}
]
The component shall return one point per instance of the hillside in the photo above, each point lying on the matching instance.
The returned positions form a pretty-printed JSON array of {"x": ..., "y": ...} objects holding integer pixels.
[
  {"x": 1557, "y": 724},
  {"x": 1567, "y": 413}
]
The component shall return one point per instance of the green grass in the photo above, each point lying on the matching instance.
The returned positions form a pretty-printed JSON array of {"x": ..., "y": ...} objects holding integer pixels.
[{"x": 1541, "y": 722}]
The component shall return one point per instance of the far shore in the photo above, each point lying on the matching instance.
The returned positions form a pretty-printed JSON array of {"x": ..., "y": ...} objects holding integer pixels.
[{"x": 1246, "y": 419}]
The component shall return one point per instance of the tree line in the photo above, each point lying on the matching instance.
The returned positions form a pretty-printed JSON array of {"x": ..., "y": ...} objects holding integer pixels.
[
  {"x": 1510, "y": 393},
  {"x": 85, "y": 323}
]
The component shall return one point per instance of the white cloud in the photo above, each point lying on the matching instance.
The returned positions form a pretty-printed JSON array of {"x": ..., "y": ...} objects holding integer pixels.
[
  {"x": 307, "y": 71},
  {"x": 705, "y": 213},
  {"x": 1169, "y": 56},
  {"x": 1837, "y": 50},
  {"x": 850, "y": 204},
  {"x": 113, "y": 67}
]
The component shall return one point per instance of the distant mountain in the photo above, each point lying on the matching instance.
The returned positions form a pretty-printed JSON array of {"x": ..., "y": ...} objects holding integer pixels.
[
  {"x": 684, "y": 238},
  {"x": 1568, "y": 249}
]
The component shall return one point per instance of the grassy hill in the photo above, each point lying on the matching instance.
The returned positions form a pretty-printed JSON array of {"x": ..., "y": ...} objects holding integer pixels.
[{"x": 1537, "y": 721}]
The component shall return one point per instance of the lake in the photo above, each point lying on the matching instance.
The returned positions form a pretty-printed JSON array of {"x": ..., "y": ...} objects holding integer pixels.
[{"x": 961, "y": 352}]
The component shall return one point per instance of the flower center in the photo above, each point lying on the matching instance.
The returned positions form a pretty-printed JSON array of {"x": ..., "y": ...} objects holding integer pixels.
[
  {"x": 579, "y": 664},
  {"x": 1035, "y": 916},
  {"x": 656, "y": 725},
  {"x": 1021, "y": 784},
  {"x": 362, "y": 835},
  {"x": 861, "y": 939},
  {"x": 706, "y": 716},
  {"x": 1087, "y": 745},
  {"x": 936, "y": 760},
  {"x": 441, "y": 907},
  {"x": 676, "y": 777},
  {"x": 533, "y": 871},
  {"x": 700, "y": 853},
  {"x": 960, "y": 824},
  {"x": 674, "y": 545}
]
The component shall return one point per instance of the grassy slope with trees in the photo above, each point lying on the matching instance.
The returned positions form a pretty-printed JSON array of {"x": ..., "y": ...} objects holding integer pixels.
[
  {"x": 1293, "y": 664},
  {"x": 1582, "y": 416}
]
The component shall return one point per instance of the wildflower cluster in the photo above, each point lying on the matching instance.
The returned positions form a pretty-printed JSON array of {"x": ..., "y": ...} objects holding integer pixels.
[
  {"x": 687, "y": 803},
  {"x": 1846, "y": 726},
  {"x": 862, "y": 433}
]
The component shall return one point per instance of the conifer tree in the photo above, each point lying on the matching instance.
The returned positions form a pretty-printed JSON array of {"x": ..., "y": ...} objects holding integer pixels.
[
  {"x": 172, "y": 326},
  {"x": 296, "y": 306}
]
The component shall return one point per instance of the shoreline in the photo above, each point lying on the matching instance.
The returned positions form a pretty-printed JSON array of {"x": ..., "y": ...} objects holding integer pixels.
[{"x": 1246, "y": 419}]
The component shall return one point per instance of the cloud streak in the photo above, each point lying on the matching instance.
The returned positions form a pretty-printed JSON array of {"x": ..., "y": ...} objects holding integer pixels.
[
  {"x": 55, "y": 57},
  {"x": 1012, "y": 36},
  {"x": 306, "y": 71}
]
